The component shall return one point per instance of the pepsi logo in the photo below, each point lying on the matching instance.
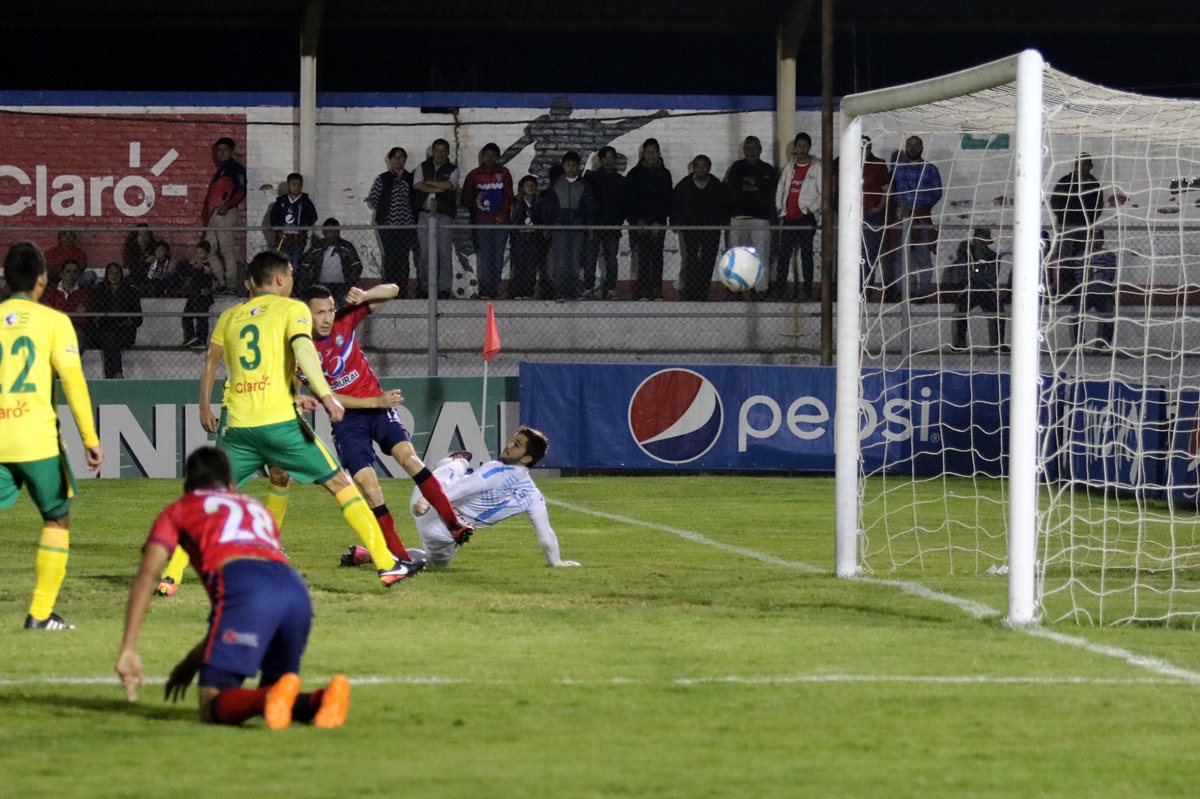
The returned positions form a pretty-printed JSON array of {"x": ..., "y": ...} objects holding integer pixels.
[{"x": 675, "y": 415}]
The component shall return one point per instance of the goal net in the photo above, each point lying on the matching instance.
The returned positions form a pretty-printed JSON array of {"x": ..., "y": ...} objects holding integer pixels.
[{"x": 1018, "y": 343}]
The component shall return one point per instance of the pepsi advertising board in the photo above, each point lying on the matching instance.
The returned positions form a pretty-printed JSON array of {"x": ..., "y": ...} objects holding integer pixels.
[{"x": 774, "y": 418}]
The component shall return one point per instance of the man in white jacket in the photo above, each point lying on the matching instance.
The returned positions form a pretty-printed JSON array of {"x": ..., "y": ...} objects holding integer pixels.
[
  {"x": 486, "y": 496},
  {"x": 797, "y": 201}
]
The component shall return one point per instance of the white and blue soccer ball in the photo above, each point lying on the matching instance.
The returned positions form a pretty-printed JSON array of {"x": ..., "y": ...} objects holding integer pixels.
[{"x": 740, "y": 268}]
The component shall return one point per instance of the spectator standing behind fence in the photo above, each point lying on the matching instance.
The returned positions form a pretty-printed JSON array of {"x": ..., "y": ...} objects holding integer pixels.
[
  {"x": 528, "y": 250},
  {"x": 1075, "y": 203},
  {"x": 875, "y": 179},
  {"x": 978, "y": 274},
  {"x": 226, "y": 191},
  {"x": 797, "y": 201},
  {"x": 157, "y": 279},
  {"x": 391, "y": 198},
  {"x": 612, "y": 205},
  {"x": 66, "y": 249},
  {"x": 332, "y": 261},
  {"x": 71, "y": 298},
  {"x": 292, "y": 215},
  {"x": 916, "y": 188},
  {"x": 435, "y": 185},
  {"x": 487, "y": 195},
  {"x": 568, "y": 202},
  {"x": 195, "y": 281},
  {"x": 1092, "y": 286},
  {"x": 700, "y": 199},
  {"x": 751, "y": 183},
  {"x": 117, "y": 330},
  {"x": 651, "y": 194}
]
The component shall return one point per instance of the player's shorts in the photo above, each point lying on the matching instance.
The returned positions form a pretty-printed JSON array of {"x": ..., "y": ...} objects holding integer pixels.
[
  {"x": 49, "y": 480},
  {"x": 358, "y": 432},
  {"x": 260, "y": 621},
  {"x": 290, "y": 445},
  {"x": 440, "y": 548}
]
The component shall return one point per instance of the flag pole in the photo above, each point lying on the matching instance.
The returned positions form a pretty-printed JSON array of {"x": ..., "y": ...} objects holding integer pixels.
[{"x": 491, "y": 346}]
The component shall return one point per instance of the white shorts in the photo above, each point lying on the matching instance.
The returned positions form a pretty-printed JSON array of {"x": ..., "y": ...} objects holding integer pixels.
[{"x": 439, "y": 544}]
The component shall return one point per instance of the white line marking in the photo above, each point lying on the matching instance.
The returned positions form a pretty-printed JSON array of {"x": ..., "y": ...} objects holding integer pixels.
[
  {"x": 174, "y": 190},
  {"x": 976, "y": 609},
  {"x": 135, "y": 154},
  {"x": 685, "y": 682}
]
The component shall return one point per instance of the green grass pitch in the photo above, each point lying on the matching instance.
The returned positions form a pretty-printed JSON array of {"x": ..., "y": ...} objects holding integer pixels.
[{"x": 695, "y": 654}]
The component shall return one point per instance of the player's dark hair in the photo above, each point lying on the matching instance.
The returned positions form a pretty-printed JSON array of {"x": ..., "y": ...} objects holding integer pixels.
[
  {"x": 536, "y": 443},
  {"x": 295, "y": 176},
  {"x": 264, "y": 266},
  {"x": 22, "y": 266},
  {"x": 316, "y": 292},
  {"x": 206, "y": 467}
]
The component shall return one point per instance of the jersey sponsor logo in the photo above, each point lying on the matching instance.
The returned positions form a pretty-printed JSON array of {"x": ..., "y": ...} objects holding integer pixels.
[
  {"x": 344, "y": 381},
  {"x": 675, "y": 415},
  {"x": 15, "y": 412},
  {"x": 252, "y": 386},
  {"x": 16, "y": 319},
  {"x": 235, "y": 638},
  {"x": 256, "y": 310}
]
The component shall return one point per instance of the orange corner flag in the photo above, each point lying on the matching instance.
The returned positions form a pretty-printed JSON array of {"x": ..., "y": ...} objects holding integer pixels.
[{"x": 491, "y": 339}]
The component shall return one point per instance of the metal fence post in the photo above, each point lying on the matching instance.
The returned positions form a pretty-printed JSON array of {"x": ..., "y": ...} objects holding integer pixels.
[{"x": 431, "y": 285}]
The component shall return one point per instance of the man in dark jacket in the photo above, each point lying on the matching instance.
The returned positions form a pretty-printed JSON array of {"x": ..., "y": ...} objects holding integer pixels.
[
  {"x": 569, "y": 202},
  {"x": 435, "y": 187},
  {"x": 651, "y": 194},
  {"x": 1076, "y": 203},
  {"x": 700, "y": 199},
  {"x": 751, "y": 184},
  {"x": 333, "y": 262},
  {"x": 609, "y": 192},
  {"x": 292, "y": 215},
  {"x": 978, "y": 269}
]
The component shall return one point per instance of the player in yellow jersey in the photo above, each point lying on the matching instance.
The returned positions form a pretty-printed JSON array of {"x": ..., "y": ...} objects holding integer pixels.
[
  {"x": 261, "y": 342},
  {"x": 35, "y": 343}
]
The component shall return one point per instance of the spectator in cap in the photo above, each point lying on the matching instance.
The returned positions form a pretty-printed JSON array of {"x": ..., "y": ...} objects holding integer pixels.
[
  {"x": 226, "y": 191},
  {"x": 332, "y": 261}
]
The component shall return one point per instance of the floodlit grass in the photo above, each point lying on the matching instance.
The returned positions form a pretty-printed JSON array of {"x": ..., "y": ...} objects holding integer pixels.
[{"x": 665, "y": 667}]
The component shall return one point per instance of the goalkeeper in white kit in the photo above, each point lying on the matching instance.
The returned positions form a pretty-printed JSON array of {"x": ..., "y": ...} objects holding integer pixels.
[{"x": 485, "y": 497}]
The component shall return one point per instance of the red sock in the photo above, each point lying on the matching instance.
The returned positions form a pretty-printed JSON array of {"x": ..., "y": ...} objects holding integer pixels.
[
  {"x": 388, "y": 525},
  {"x": 235, "y": 705},
  {"x": 307, "y": 705},
  {"x": 431, "y": 489}
]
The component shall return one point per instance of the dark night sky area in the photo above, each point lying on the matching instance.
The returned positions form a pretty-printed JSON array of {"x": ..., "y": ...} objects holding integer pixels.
[{"x": 249, "y": 59}]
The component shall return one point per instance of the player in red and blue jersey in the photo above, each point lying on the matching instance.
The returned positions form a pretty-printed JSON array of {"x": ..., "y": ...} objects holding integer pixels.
[
  {"x": 261, "y": 612},
  {"x": 370, "y": 414}
]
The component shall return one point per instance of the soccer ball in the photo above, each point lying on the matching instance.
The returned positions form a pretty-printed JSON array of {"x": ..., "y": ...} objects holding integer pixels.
[{"x": 740, "y": 268}]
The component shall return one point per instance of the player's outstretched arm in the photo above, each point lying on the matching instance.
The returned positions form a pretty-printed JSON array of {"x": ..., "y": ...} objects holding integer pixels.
[
  {"x": 547, "y": 540},
  {"x": 385, "y": 400},
  {"x": 129, "y": 664},
  {"x": 213, "y": 359},
  {"x": 374, "y": 295},
  {"x": 184, "y": 672}
]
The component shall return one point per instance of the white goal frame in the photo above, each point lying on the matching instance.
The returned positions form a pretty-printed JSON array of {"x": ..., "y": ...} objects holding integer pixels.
[{"x": 1027, "y": 71}]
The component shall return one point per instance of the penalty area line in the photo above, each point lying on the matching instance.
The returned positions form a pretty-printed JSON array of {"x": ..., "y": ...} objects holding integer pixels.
[{"x": 975, "y": 609}]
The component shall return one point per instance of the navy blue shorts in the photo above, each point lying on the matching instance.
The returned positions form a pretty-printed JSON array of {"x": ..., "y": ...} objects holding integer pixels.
[
  {"x": 259, "y": 622},
  {"x": 359, "y": 431}
]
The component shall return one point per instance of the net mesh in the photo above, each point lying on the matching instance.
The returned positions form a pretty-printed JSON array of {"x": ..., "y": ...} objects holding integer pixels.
[{"x": 1119, "y": 535}]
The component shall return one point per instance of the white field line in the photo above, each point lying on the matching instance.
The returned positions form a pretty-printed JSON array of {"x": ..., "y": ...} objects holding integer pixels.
[
  {"x": 684, "y": 682},
  {"x": 976, "y": 609}
]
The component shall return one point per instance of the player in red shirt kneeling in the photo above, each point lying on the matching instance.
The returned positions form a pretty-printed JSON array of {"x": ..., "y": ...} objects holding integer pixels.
[{"x": 261, "y": 612}]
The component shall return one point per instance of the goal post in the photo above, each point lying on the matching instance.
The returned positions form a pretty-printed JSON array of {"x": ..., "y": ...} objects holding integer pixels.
[{"x": 1026, "y": 71}]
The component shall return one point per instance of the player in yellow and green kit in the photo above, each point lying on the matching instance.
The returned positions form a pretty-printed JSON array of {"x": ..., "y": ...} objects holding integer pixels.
[
  {"x": 36, "y": 342},
  {"x": 261, "y": 342}
]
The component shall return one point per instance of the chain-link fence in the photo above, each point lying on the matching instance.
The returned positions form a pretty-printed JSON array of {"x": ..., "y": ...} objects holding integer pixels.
[{"x": 560, "y": 293}]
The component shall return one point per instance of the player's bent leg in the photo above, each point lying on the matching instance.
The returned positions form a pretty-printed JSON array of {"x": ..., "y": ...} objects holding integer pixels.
[
  {"x": 361, "y": 520},
  {"x": 368, "y": 483},
  {"x": 431, "y": 489}
]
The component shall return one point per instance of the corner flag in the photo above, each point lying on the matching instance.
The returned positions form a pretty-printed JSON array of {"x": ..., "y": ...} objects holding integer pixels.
[{"x": 491, "y": 339}]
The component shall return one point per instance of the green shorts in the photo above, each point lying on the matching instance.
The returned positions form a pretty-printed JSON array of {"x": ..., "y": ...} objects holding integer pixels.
[
  {"x": 50, "y": 482},
  {"x": 289, "y": 445}
]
